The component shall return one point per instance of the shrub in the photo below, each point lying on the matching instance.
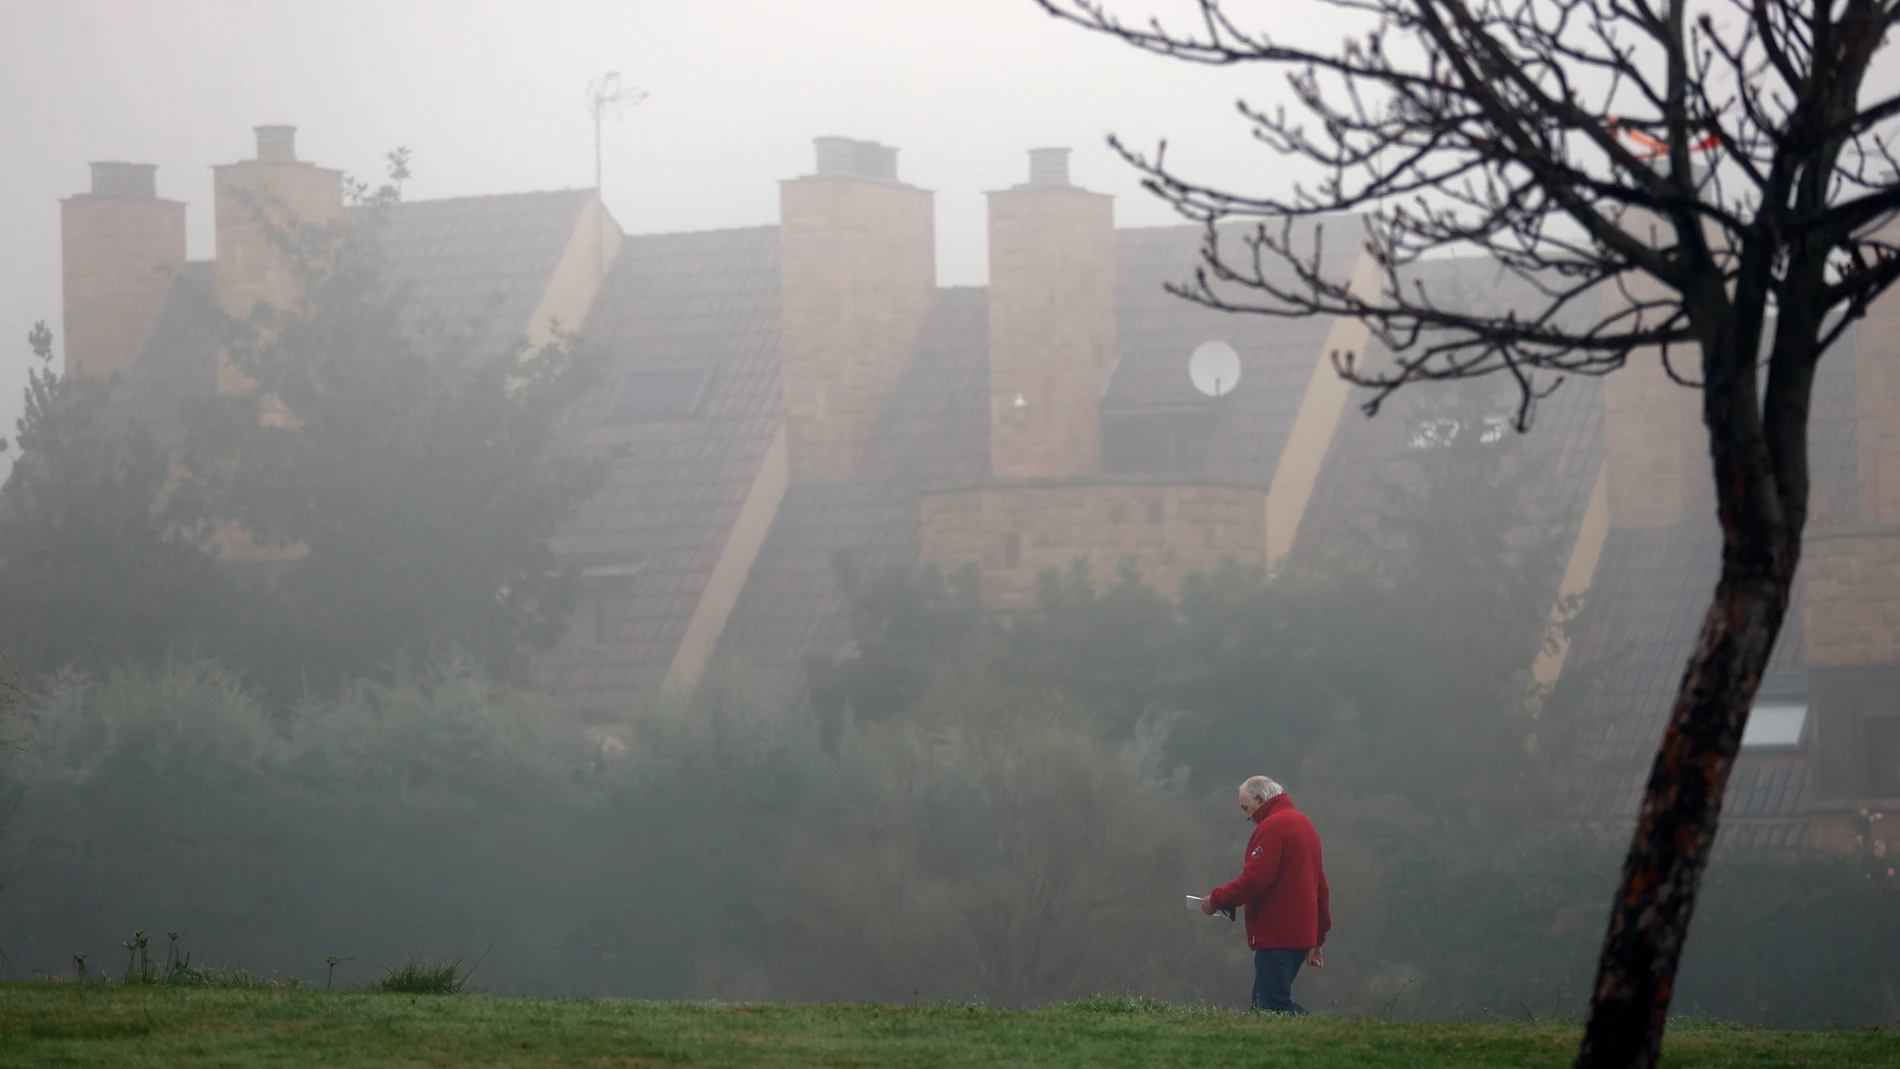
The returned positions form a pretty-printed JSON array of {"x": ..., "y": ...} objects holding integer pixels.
[
  {"x": 421, "y": 976},
  {"x": 991, "y": 844}
]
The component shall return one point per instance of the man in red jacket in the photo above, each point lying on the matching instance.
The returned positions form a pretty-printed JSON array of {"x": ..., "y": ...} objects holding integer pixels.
[{"x": 1284, "y": 890}]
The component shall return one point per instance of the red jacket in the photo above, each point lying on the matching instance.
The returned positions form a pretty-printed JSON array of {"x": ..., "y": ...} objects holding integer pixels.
[{"x": 1282, "y": 884}]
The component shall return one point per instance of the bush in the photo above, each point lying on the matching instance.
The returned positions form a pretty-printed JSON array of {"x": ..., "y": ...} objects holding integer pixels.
[
  {"x": 990, "y": 844},
  {"x": 437, "y": 811},
  {"x": 996, "y": 842},
  {"x": 421, "y": 976}
]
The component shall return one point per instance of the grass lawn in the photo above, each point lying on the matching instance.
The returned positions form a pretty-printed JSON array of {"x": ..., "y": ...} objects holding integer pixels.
[{"x": 68, "y": 1024}]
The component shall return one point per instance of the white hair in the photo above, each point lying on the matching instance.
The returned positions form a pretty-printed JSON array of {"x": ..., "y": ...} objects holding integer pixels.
[{"x": 1260, "y": 788}]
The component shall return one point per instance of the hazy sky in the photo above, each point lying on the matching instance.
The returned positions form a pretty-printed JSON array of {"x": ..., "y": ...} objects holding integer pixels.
[{"x": 490, "y": 96}]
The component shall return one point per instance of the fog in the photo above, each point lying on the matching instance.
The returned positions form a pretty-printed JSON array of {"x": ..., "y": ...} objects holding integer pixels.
[
  {"x": 381, "y": 679},
  {"x": 493, "y": 99}
]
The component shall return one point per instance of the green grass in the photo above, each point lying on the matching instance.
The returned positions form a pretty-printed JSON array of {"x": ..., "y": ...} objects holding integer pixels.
[{"x": 69, "y": 1024}]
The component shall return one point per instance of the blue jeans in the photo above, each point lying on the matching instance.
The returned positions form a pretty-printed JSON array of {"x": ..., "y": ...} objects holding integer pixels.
[{"x": 1273, "y": 973}]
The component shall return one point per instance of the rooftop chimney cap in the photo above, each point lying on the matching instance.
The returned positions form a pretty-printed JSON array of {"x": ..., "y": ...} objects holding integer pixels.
[
  {"x": 1049, "y": 167},
  {"x": 125, "y": 181},
  {"x": 849, "y": 157},
  {"x": 877, "y": 161},
  {"x": 276, "y": 144}
]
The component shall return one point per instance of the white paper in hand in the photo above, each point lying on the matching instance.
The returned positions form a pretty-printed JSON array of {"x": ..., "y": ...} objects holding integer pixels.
[{"x": 1194, "y": 903}]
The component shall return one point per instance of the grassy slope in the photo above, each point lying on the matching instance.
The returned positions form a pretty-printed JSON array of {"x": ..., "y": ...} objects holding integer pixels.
[{"x": 49, "y": 1024}]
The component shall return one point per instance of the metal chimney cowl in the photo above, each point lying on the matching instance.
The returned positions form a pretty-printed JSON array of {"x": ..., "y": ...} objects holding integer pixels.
[
  {"x": 1049, "y": 167},
  {"x": 125, "y": 181},
  {"x": 846, "y": 157},
  {"x": 837, "y": 155},
  {"x": 276, "y": 144}
]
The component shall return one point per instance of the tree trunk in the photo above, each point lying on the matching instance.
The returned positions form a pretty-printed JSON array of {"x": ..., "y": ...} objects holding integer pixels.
[{"x": 1649, "y": 919}]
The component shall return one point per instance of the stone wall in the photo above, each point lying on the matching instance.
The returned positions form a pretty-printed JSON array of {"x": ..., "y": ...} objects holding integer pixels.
[
  {"x": 1013, "y": 530},
  {"x": 1052, "y": 328},
  {"x": 120, "y": 248},
  {"x": 1656, "y": 452},
  {"x": 1877, "y": 419},
  {"x": 249, "y": 200},
  {"x": 1851, "y": 598},
  {"x": 857, "y": 262}
]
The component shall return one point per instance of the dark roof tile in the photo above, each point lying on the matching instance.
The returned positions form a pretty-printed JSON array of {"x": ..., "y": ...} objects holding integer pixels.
[
  {"x": 179, "y": 362},
  {"x": 934, "y": 429},
  {"x": 671, "y": 301},
  {"x": 476, "y": 268}
]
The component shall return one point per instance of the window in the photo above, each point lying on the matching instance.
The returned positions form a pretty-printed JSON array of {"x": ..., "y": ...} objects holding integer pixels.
[
  {"x": 1883, "y": 756},
  {"x": 1775, "y": 725},
  {"x": 599, "y": 606},
  {"x": 654, "y": 395},
  {"x": 1157, "y": 442}
]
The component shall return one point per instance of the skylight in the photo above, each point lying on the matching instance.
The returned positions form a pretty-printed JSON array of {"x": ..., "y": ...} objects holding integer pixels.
[
  {"x": 659, "y": 395},
  {"x": 1775, "y": 725}
]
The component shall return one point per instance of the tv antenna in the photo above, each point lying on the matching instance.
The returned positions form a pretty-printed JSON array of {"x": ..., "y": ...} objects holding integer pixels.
[{"x": 606, "y": 94}]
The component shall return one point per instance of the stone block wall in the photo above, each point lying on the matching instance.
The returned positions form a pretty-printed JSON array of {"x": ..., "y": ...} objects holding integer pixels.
[
  {"x": 1052, "y": 328},
  {"x": 120, "y": 250},
  {"x": 1014, "y": 530},
  {"x": 249, "y": 200},
  {"x": 1656, "y": 452},
  {"x": 1851, "y": 598},
  {"x": 857, "y": 263},
  {"x": 1877, "y": 416}
]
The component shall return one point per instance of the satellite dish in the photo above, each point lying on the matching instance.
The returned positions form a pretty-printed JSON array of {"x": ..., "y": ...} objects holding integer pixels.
[{"x": 1214, "y": 368}]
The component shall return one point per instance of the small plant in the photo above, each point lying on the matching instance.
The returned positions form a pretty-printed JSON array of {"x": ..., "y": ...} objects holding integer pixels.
[
  {"x": 79, "y": 966},
  {"x": 1872, "y": 848},
  {"x": 329, "y": 960},
  {"x": 176, "y": 970},
  {"x": 421, "y": 976},
  {"x": 138, "y": 965}
]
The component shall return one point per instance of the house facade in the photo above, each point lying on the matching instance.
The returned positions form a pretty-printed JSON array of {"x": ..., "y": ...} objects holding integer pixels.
[{"x": 778, "y": 395}]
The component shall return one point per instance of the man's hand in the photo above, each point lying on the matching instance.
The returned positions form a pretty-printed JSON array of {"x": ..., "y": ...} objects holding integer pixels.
[
  {"x": 1207, "y": 906},
  {"x": 1316, "y": 957}
]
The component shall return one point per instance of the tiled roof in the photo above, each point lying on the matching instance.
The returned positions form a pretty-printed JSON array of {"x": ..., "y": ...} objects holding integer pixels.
[
  {"x": 934, "y": 429},
  {"x": 180, "y": 358},
  {"x": 473, "y": 265},
  {"x": 477, "y": 267},
  {"x": 1639, "y": 626},
  {"x": 1157, "y": 331},
  {"x": 1627, "y": 656},
  {"x": 672, "y": 301},
  {"x": 1562, "y": 451}
]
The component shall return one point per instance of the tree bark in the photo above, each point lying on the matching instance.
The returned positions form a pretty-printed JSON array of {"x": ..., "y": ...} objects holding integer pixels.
[{"x": 1649, "y": 920}]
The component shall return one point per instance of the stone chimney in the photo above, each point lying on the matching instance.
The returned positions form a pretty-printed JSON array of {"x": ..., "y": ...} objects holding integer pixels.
[
  {"x": 1851, "y": 563},
  {"x": 120, "y": 247},
  {"x": 1656, "y": 451},
  {"x": 251, "y": 198},
  {"x": 857, "y": 264},
  {"x": 1052, "y": 322}
]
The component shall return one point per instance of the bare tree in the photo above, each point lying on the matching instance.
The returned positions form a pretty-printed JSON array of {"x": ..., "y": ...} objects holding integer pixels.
[{"x": 1707, "y": 178}]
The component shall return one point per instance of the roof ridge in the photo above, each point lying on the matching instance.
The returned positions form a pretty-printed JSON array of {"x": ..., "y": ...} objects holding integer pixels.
[
  {"x": 570, "y": 191},
  {"x": 701, "y": 232}
]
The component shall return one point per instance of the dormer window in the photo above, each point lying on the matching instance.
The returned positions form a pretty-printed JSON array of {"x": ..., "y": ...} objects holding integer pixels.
[
  {"x": 659, "y": 395},
  {"x": 1779, "y": 719},
  {"x": 1775, "y": 725},
  {"x": 1157, "y": 442},
  {"x": 599, "y": 605}
]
